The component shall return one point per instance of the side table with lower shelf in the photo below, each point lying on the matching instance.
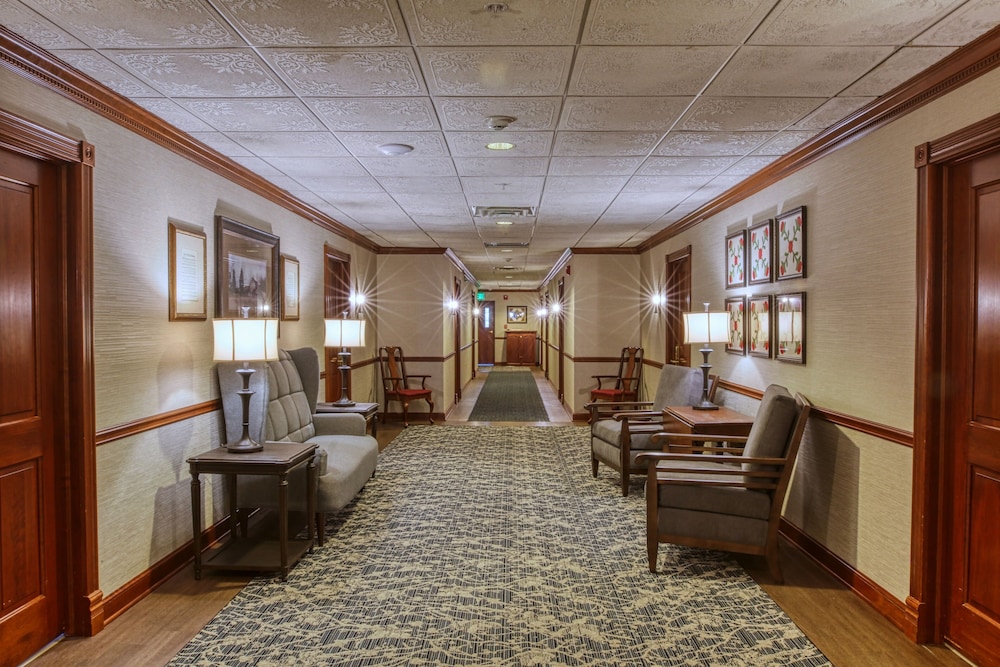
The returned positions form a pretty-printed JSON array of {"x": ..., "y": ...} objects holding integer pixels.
[
  {"x": 246, "y": 552},
  {"x": 367, "y": 410},
  {"x": 724, "y": 421}
]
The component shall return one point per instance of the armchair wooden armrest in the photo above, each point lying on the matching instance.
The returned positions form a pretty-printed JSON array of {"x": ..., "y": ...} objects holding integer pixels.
[
  {"x": 600, "y": 378},
  {"x": 422, "y": 378}
]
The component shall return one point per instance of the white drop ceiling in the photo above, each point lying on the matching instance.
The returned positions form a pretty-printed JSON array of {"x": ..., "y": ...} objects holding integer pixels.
[{"x": 630, "y": 114}]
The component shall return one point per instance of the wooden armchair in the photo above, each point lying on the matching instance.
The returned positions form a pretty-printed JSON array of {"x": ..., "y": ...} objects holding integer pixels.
[
  {"x": 619, "y": 430},
  {"x": 625, "y": 385},
  {"x": 729, "y": 496},
  {"x": 396, "y": 383}
]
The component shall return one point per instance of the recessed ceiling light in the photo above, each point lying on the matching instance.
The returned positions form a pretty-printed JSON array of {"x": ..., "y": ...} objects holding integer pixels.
[
  {"x": 505, "y": 223},
  {"x": 500, "y": 146},
  {"x": 506, "y": 250},
  {"x": 395, "y": 149}
]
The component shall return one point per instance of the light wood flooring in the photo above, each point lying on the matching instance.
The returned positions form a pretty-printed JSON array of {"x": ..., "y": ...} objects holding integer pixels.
[{"x": 848, "y": 631}]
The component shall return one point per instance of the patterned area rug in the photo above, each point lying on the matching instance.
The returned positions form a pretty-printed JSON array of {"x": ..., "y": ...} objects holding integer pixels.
[
  {"x": 509, "y": 395},
  {"x": 495, "y": 546}
]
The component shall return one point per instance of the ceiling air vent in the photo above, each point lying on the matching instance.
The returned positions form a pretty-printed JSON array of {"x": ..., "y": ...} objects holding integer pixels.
[
  {"x": 503, "y": 211},
  {"x": 507, "y": 244},
  {"x": 506, "y": 268}
]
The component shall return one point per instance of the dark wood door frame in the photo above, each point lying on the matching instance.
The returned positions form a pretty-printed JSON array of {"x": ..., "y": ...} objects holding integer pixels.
[
  {"x": 78, "y": 550},
  {"x": 458, "y": 339},
  {"x": 336, "y": 302},
  {"x": 560, "y": 320},
  {"x": 931, "y": 451},
  {"x": 678, "y": 293}
]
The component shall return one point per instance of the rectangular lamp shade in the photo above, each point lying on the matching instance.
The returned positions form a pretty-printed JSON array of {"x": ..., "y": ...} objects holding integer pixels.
[
  {"x": 706, "y": 328},
  {"x": 246, "y": 340},
  {"x": 345, "y": 333}
]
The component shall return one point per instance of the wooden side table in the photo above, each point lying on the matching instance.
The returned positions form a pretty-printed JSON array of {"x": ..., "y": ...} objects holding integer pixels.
[
  {"x": 245, "y": 552},
  {"x": 367, "y": 410},
  {"x": 724, "y": 421}
]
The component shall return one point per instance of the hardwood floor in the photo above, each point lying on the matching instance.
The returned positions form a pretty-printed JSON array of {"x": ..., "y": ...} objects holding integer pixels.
[{"x": 848, "y": 631}]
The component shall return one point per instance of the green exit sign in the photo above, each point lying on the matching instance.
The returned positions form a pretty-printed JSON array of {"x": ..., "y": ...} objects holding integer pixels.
[{"x": 480, "y": 296}]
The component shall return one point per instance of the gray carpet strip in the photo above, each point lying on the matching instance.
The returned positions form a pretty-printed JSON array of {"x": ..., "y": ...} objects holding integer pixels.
[
  {"x": 509, "y": 396},
  {"x": 495, "y": 546}
]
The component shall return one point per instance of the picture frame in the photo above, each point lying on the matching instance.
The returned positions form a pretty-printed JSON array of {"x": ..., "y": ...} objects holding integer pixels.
[
  {"x": 289, "y": 288},
  {"x": 760, "y": 250},
  {"x": 246, "y": 279},
  {"x": 759, "y": 326},
  {"x": 736, "y": 259},
  {"x": 517, "y": 314},
  {"x": 736, "y": 310},
  {"x": 188, "y": 272},
  {"x": 790, "y": 244},
  {"x": 790, "y": 326}
]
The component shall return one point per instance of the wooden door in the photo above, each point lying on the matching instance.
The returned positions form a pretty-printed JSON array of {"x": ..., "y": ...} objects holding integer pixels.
[
  {"x": 31, "y": 359},
  {"x": 972, "y": 414},
  {"x": 678, "y": 293},
  {"x": 336, "y": 304},
  {"x": 487, "y": 333}
]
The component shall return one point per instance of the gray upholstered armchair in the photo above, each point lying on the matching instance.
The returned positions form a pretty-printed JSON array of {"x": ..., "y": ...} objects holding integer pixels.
[
  {"x": 285, "y": 391},
  {"x": 620, "y": 430},
  {"x": 729, "y": 495}
]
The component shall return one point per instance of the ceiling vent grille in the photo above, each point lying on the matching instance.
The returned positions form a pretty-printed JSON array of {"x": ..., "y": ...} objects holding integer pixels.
[
  {"x": 503, "y": 211},
  {"x": 506, "y": 268},
  {"x": 507, "y": 244}
]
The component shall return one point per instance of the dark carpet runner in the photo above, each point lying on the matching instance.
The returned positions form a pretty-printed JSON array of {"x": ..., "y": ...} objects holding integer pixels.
[{"x": 509, "y": 396}]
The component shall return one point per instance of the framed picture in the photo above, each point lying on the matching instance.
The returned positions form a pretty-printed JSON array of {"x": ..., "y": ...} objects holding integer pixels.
[
  {"x": 736, "y": 309},
  {"x": 736, "y": 259},
  {"x": 246, "y": 280},
  {"x": 790, "y": 339},
  {"x": 790, "y": 244},
  {"x": 759, "y": 326},
  {"x": 188, "y": 273},
  {"x": 289, "y": 288},
  {"x": 759, "y": 253},
  {"x": 517, "y": 314}
]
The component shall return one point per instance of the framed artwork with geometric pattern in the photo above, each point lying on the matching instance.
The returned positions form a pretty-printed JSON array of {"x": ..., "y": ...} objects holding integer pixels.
[
  {"x": 736, "y": 310},
  {"x": 790, "y": 244},
  {"x": 759, "y": 253},
  {"x": 759, "y": 325},
  {"x": 736, "y": 275}
]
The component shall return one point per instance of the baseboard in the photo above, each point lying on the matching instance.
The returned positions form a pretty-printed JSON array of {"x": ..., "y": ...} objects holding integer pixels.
[
  {"x": 146, "y": 582},
  {"x": 903, "y": 616},
  {"x": 416, "y": 418}
]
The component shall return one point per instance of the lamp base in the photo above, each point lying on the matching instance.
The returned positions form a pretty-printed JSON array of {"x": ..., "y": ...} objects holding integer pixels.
[
  {"x": 244, "y": 446},
  {"x": 705, "y": 405}
]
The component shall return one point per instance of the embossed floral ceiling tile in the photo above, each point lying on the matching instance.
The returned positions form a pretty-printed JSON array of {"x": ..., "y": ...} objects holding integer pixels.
[
  {"x": 311, "y": 23},
  {"x": 390, "y": 72},
  {"x": 290, "y": 144},
  {"x": 686, "y": 166},
  {"x": 711, "y": 143},
  {"x": 831, "y": 112},
  {"x": 961, "y": 27},
  {"x": 694, "y": 22},
  {"x": 504, "y": 184},
  {"x": 199, "y": 73},
  {"x": 899, "y": 67},
  {"x": 773, "y": 71},
  {"x": 473, "y": 144},
  {"x": 470, "y": 113},
  {"x": 437, "y": 23},
  {"x": 365, "y": 144},
  {"x": 108, "y": 73},
  {"x": 747, "y": 114},
  {"x": 625, "y": 114},
  {"x": 407, "y": 165},
  {"x": 170, "y": 111},
  {"x": 360, "y": 114},
  {"x": 491, "y": 71},
  {"x": 605, "y": 143},
  {"x": 513, "y": 166},
  {"x": 645, "y": 71},
  {"x": 36, "y": 29},
  {"x": 586, "y": 183},
  {"x": 240, "y": 115},
  {"x": 418, "y": 185},
  {"x": 594, "y": 166},
  {"x": 315, "y": 167},
  {"x": 337, "y": 185},
  {"x": 785, "y": 142}
]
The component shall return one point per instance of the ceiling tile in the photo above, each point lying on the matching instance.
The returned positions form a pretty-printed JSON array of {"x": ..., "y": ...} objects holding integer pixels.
[
  {"x": 711, "y": 143},
  {"x": 407, "y": 165},
  {"x": 434, "y": 204},
  {"x": 785, "y": 142},
  {"x": 772, "y": 71},
  {"x": 585, "y": 183},
  {"x": 310, "y": 23},
  {"x": 218, "y": 73},
  {"x": 290, "y": 144},
  {"x": 171, "y": 112},
  {"x": 450, "y": 23},
  {"x": 594, "y": 166},
  {"x": 108, "y": 73},
  {"x": 846, "y": 22},
  {"x": 418, "y": 185},
  {"x": 503, "y": 184},
  {"x": 498, "y": 166},
  {"x": 595, "y": 144},
  {"x": 832, "y": 111},
  {"x": 332, "y": 186},
  {"x": 645, "y": 71},
  {"x": 970, "y": 21},
  {"x": 687, "y": 21},
  {"x": 471, "y": 113},
  {"x": 365, "y": 144},
  {"x": 389, "y": 72},
  {"x": 367, "y": 114},
  {"x": 902, "y": 65},
  {"x": 238, "y": 115},
  {"x": 35, "y": 29},
  {"x": 222, "y": 144},
  {"x": 689, "y": 166},
  {"x": 634, "y": 114},
  {"x": 473, "y": 144},
  {"x": 492, "y": 71},
  {"x": 746, "y": 114}
]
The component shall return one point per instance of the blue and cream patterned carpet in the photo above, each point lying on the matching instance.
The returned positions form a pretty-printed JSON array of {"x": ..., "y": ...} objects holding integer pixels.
[{"x": 495, "y": 546}]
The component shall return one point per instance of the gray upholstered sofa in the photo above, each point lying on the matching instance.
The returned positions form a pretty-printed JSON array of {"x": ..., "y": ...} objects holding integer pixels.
[{"x": 285, "y": 391}]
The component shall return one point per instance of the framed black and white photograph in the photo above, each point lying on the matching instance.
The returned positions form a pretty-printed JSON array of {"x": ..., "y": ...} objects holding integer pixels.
[{"x": 246, "y": 278}]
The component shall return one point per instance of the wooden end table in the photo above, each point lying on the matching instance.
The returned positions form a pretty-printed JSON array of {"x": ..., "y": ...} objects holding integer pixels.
[
  {"x": 724, "y": 421},
  {"x": 367, "y": 410},
  {"x": 246, "y": 552}
]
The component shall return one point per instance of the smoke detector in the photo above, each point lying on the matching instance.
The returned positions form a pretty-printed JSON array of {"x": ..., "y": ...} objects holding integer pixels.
[{"x": 499, "y": 122}]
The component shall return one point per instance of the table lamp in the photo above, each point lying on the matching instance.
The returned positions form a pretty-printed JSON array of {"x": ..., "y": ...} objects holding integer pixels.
[
  {"x": 344, "y": 334},
  {"x": 245, "y": 340},
  {"x": 706, "y": 328}
]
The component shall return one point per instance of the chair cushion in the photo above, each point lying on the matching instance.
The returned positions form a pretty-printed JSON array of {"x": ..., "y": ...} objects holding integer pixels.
[
  {"x": 289, "y": 417},
  {"x": 714, "y": 499},
  {"x": 679, "y": 385},
  {"x": 772, "y": 427},
  {"x": 606, "y": 394},
  {"x": 724, "y": 528}
]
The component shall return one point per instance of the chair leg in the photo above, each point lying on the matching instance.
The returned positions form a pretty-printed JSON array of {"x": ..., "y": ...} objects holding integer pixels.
[
  {"x": 626, "y": 478},
  {"x": 652, "y": 528},
  {"x": 593, "y": 465},
  {"x": 406, "y": 409},
  {"x": 320, "y": 528},
  {"x": 430, "y": 411},
  {"x": 773, "y": 564}
]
